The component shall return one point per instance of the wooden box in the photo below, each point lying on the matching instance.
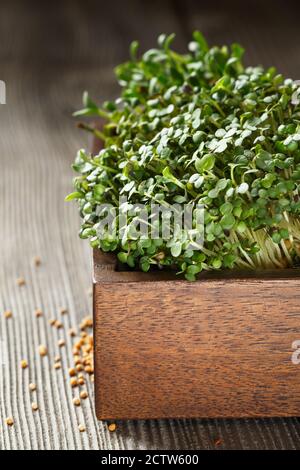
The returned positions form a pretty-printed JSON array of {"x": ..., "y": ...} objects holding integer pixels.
[{"x": 223, "y": 346}]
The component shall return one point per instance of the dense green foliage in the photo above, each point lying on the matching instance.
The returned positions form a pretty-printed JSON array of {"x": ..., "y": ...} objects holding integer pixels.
[{"x": 199, "y": 127}]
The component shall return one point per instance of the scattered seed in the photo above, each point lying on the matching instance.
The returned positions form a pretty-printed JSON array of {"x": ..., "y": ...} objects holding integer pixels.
[
  {"x": 76, "y": 401},
  {"x": 57, "y": 365},
  {"x": 38, "y": 312},
  {"x": 37, "y": 261},
  {"x": 9, "y": 421},
  {"x": 32, "y": 387},
  {"x": 81, "y": 381},
  {"x": 81, "y": 428},
  {"x": 79, "y": 367},
  {"x": 83, "y": 394},
  {"x": 112, "y": 427},
  {"x": 24, "y": 364},
  {"x": 63, "y": 311},
  {"x": 61, "y": 343},
  {"x": 43, "y": 350},
  {"x": 72, "y": 332},
  {"x": 74, "y": 382},
  {"x": 34, "y": 406},
  {"x": 58, "y": 324},
  {"x": 72, "y": 372},
  {"x": 8, "y": 314},
  {"x": 57, "y": 359},
  {"x": 21, "y": 281},
  {"x": 52, "y": 321}
]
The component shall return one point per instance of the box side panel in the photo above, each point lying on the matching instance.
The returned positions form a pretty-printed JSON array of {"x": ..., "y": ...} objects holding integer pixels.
[{"x": 209, "y": 349}]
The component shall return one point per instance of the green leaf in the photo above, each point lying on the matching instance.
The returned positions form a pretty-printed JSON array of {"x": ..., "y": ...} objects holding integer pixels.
[
  {"x": 75, "y": 195},
  {"x": 176, "y": 249},
  {"x": 227, "y": 221},
  {"x": 205, "y": 163}
]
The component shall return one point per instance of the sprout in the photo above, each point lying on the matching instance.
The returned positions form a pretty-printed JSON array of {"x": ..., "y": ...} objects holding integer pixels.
[{"x": 197, "y": 128}]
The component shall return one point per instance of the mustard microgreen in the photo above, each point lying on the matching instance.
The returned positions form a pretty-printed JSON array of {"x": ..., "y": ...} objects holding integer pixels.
[{"x": 198, "y": 127}]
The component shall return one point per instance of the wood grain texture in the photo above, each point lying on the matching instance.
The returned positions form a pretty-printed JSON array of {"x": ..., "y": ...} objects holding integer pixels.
[
  {"x": 49, "y": 53},
  {"x": 213, "y": 348}
]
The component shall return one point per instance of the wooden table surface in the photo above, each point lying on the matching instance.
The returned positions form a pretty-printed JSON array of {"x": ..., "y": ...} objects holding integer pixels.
[{"x": 49, "y": 53}]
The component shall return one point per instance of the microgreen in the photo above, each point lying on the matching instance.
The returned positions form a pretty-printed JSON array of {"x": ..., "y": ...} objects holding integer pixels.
[{"x": 198, "y": 127}]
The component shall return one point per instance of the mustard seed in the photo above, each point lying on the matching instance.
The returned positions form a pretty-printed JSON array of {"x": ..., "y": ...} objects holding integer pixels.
[
  {"x": 32, "y": 387},
  {"x": 112, "y": 427},
  {"x": 76, "y": 402},
  {"x": 9, "y": 421},
  {"x": 38, "y": 312},
  {"x": 74, "y": 382},
  {"x": 24, "y": 364},
  {"x": 83, "y": 394},
  {"x": 43, "y": 350},
  {"x": 57, "y": 365},
  {"x": 34, "y": 406},
  {"x": 21, "y": 281},
  {"x": 72, "y": 372},
  {"x": 81, "y": 428},
  {"x": 8, "y": 314},
  {"x": 63, "y": 311},
  {"x": 37, "y": 261},
  {"x": 61, "y": 343}
]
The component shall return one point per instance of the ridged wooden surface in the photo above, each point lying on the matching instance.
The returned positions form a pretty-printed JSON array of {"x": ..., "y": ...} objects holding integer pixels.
[{"x": 49, "y": 53}]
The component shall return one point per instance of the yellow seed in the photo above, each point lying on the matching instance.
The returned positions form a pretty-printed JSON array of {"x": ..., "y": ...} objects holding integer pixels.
[
  {"x": 9, "y": 421},
  {"x": 81, "y": 381},
  {"x": 81, "y": 428},
  {"x": 32, "y": 387},
  {"x": 24, "y": 364},
  {"x": 43, "y": 350},
  {"x": 112, "y": 427},
  {"x": 34, "y": 406},
  {"x": 79, "y": 367},
  {"x": 8, "y": 314},
  {"x": 52, "y": 321},
  {"x": 37, "y": 260},
  {"x": 83, "y": 394},
  {"x": 89, "y": 369},
  {"x": 58, "y": 324},
  {"x": 76, "y": 402},
  {"x": 74, "y": 382},
  {"x": 38, "y": 312},
  {"x": 77, "y": 360},
  {"x": 21, "y": 281},
  {"x": 72, "y": 372},
  {"x": 57, "y": 365},
  {"x": 72, "y": 332},
  {"x": 61, "y": 343},
  {"x": 57, "y": 359},
  {"x": 63, "y": 311}
]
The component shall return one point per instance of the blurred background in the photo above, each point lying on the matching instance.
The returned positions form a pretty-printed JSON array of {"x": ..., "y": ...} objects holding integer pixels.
[{"x": 50, "y": 52}]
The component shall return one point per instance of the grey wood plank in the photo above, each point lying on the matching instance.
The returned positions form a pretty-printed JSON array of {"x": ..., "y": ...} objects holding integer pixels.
[{"x": 57, "y": 50}]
